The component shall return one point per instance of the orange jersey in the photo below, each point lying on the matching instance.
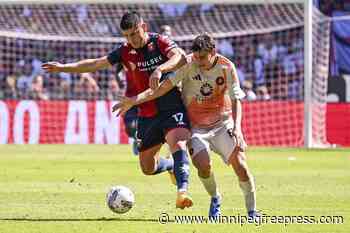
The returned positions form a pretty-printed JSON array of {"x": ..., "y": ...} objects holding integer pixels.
[{"x": 207, "y": 94}]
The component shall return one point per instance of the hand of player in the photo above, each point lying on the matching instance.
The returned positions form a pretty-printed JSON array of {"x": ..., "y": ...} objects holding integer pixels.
[
  {"x": 124, "y": 105},
  {"x": 154, "y": 79},
  {"x": 237, "y": 133},
  {"x": 52, "y": 67}
]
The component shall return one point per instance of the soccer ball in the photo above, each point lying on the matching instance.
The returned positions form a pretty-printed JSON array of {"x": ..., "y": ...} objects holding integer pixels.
[{"x": 120, "y": 199}]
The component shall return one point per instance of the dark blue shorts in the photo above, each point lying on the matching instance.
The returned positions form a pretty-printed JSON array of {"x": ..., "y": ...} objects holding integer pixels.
[{"x": 151, "y": 131}]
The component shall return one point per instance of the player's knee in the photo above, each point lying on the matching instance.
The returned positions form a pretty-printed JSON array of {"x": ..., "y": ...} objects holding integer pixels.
[
  {"x": 240, "y": 166},
  {"x": 203, "y": 167},
  {"x": 177, "y": 145}
]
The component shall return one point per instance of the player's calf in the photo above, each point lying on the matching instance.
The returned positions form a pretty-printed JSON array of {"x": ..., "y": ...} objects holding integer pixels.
[
  {"x": 246, "y": 180},
  {"x": 151, "y": 164},
  {"x": 182, "y": 173},
  {"x": 202, "y": 162}
]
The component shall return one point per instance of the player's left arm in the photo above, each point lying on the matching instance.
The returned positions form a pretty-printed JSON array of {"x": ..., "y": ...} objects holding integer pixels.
[{"x": 236, "y": 94}]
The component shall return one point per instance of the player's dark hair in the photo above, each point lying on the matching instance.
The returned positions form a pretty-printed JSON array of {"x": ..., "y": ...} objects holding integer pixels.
[
  {"x": 130, "y": 20},
  {"x": 203, "y": 42}
]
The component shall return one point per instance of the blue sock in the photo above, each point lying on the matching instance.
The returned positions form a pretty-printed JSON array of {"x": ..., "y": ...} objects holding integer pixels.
[
  {"x": 181, "y": 169},
  {"x": 164, "y": 165}
]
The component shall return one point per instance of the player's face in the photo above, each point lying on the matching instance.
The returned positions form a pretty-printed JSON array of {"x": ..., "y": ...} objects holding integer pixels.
[
  {"x": 203, "y": 59},
  {"x": 135, "y": 36}
]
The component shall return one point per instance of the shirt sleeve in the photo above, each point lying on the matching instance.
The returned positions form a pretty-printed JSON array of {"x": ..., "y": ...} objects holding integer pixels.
[
  {"x": 235, "y": 90},
  {"x": 179, "y": 76},
  {"x": 165, "y": 44},
  {"x": 114, "y": 56}
]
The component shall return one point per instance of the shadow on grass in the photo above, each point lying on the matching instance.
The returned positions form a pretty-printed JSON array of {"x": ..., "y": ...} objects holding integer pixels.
[{"x": 79, "y": 219}]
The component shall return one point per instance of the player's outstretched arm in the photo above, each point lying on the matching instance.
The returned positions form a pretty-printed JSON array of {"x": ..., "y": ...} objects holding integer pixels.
[
  {"x": 126, "y": 103},
  {"x": 177, "y": 58},
  {"x": 237, "y": 119},
  {"x": 83, "y": 66}
]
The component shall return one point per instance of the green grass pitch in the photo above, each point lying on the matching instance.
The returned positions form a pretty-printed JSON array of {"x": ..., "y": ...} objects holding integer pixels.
[{"x": 61, "y": 188}]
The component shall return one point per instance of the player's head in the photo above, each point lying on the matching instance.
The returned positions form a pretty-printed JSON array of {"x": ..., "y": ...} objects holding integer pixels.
[
  {"x": 134, "y": 29},
  {"x": 165, "y": 30},
  {"x": 203, "y": 48}
]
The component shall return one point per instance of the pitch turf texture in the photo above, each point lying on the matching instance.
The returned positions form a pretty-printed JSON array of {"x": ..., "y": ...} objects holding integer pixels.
[{"x": 60, "y": 188}]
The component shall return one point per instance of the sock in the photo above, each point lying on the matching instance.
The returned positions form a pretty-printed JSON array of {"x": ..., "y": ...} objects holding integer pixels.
[
  {"x": 164, "y": 165},
  {"x": 248, "y": 189},
  {"x": 181, "y": 170},
  {"x": 210, "y": 185}
]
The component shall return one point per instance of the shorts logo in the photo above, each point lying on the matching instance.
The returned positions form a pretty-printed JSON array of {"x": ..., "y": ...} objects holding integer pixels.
[
  {"x": 230, "y": 132},
  {"x": 179, "y": 118},
  {"x": 206, "y": 89},
  {"x": 219, "y": 81}
]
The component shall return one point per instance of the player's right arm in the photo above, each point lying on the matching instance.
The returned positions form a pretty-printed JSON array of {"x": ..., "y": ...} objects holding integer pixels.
[
  {"x": 150, "y": 94},
  {"x": 83, "y": 66},
  {"x": 87, "y": 65},
  {"x": 126, "y": 103}
]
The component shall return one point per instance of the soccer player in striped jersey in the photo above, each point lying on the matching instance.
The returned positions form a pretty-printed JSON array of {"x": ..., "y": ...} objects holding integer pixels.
[
  {"x": 211, "y": 93},
  {"x": 149, "y": 58}
]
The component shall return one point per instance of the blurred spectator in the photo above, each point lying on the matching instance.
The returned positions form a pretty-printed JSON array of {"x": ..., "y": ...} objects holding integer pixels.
[
  {"x": 267, "y": 65},
  {"x": 37, "y": 90},
  {"x": 268, "y": 50},
  {"x": 82, "y": 12},
  {"x": 173, "y": 10},
  {"x": 206, "y": 7},
  {"x": 326, "y": 7},
  {"x": 165, "y": 30},
  {"x": 340, "y": 59},
  {"x": 55, "y": 87},
  {"x": 9, "y": 88},
  {"x": 225, "y": 48},
  {"x": 293, "y": 67},
  {"x": 25, "y": 77},
  {"x": 26, "y": 12},
  {"x": 99, "y": 27},
  {"x": 259, "y": 79},
  {"x": 251, "y": 67},
  {"x": 86, "y": 87},
  {"x": 246, "y": 85},
  {"x": 114, "y": 89}
]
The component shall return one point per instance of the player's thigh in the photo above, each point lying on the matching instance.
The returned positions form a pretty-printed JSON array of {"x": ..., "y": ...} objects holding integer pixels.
[
  {"x": 199, "y": 151},
  {"x": 149, "y": 134},
  {"x": 224, "y": 144},
  {"x": 176, "y": 128},
  {"x": 177, "y": 137}
]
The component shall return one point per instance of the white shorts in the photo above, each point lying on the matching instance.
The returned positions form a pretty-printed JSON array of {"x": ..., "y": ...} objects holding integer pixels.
[{"x": 219, "y": 140}]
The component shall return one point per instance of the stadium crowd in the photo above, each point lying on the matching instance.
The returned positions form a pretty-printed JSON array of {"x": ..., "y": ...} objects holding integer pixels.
[{"x": 269, "y": 65}]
